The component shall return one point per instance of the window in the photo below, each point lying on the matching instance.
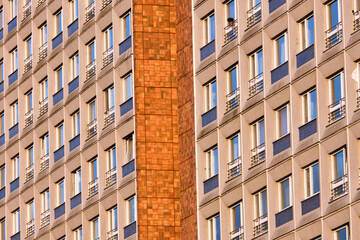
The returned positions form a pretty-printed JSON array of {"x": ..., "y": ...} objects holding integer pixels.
[
  {"x": 92, "y": 111},
  {"x": 78, "y": 234},
  {"x": 129, "y": 148},
  {"x": 108, "y": 38},
  {"x": 2, "y": 176},
  {"x": 30, "y": 210},
  {"x": 1, "y": 70},
  {"x": 334, "y": 24},
  {"x": 214, "y": 228},
  {"x": 74, "y": 10},
  {"x": 1, "y": 18},
  {"x": 112, "y": 215},
  {"x": 29, "y": 101},
  {"x": 92, "y": 125},
  {"x": 93, "y": 177},
  {"x": 77, "y": 181},
  {"x": 58, "y": 79},
  {"x": 309, "y": 106},
  {"x": 43, "y": 35},
  {"x": 45, "y": 201},
  {"x": 95, "y": 229},
  {"x": 236, "y": 221},
  {"x": 233, "y": 96},
  {"x": 282, "y": 121},
  {"x": 341, "y": 233},
  {"x": 126, "y": 26},
  {"x": 16, "y": 221},
  {"x": 14, "y": 60},
  {"x": 44, "y": 90},
  {"x": 337, "y": 98},
  {"x": 232, "y": 79},
  {"x": 91, "y": 52},
  {"x": 2, "y": 124},
  {"x": 130, "y": 210},
  {"x": 234, "y": 164},
  {"x": 44, "y": 141},
  {"x": 59, "y": 135},
  {"x": 256, "y": 64},
  {"x": 230, "y": 10},
  {"x": 339, "y": 185},
  {"x": 312, "y": 180},
  {"x": 14, "y": 113},
  {"x": 211, "y": 162},
  {"x": 306, "y": 33},
  {"x": 75, "y": 122},
  {"x": 60, "y": 188},
  {"x": 109, "y": 98},
  {"x": 28, "y": 48},
  {"x": 111, "y": 159},
  {"x": 210, "y": 96},
  {"x": 284, "y": 193},
  {"x": 2, "y": 229},
  {"x": 58, "y": 23},
  {"x": 30, "y": 156},
  {"x": 15, "y": 167},
  {"x": 13, "y": 8},
  {"x": 127, "y": 87},
  {"x": 74, "y": 66},
  {"x": 260, "y": 212},
  {"x": 258, "y": 142},
  {"x": 280, "y": 50},
  {"x": 208, "y": 29},
  {"x": 254, "y": 12}
]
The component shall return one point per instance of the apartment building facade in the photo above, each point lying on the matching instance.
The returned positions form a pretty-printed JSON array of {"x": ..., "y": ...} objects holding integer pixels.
[{"x": 167, "y": 119}]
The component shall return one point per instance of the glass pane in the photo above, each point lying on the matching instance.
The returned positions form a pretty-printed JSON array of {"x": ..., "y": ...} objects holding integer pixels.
[
  {"x": 307, "y": 182},
  {"x": 132, "y": 210},
  {"x": 233, "y": 79},
  {"x": 232, "y": 9},
  {"x": 282, "y": 56},
  {"x": 61, "y": 192},
  {"x": 111, "y": 37},
  {"x": 261, "y": 132},
  {"x": 313, "y": 110},
  {"x": 116, "y": 218},
  {"x": 310, "y": 30},
  {"x": 96, "y": 226},
  {"x": 237, "y": 217},
  {"x": 217, "y": 227},
  {"x": 212, "y": 27},
  {"x": 128, "y": 87},
  {"x": 92, "y": 51},
  {"x": 283, "y": 122},
  {"x": 235, "y": 141},
  {"x": 263, "y": 203},
  {"x": 213, "y": 94},
  {"x": 215, "y": 160},
  {"x": 341, "y": 234},
  {"x": 127, "y": 22},
  {"x": 259, "y": 62},
  {"x": 316, "y": 179},
  {"x": 336, "y": 88},
  {"x": 286, "y": 193},
  {"x": 95, "y": 169},
  {"x": 334, "y": 14}
]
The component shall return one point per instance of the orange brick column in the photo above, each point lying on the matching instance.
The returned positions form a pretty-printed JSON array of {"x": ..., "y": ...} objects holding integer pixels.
[
  {"x": 186, "y": 120},
  {"x": 156, "y": 119}
]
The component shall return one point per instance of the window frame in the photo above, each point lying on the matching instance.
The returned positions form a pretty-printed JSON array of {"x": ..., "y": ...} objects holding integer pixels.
[
  {"x": 130, "y": 214},
  {"x": 3, "y": 229},
  {"x": 110, "y": 161},
  {"x": 129, "y": 141},
  {"x": 14, "y": 113},
  {"x": 125, "y": 19},
  {"x": 108, "y": 37},
  {"x": 255, "y": 133},
  {"x": 228, "y": 12},
  {"x": 2, "y": 176},
  {"x": 281, "y": 193},
  {"x": 229, "y": 77},
  {"x": 74, "y": 10},
  {"x": 329, "y": 16},
  {"x": 13, "y": 9},
  {"x": 75, "y": 65},
  {"x": 208, "y": 95},
  {"x": 337, "y": 230},
  {"x": 58, "y": 22},
  {"x": 127, "y": 84},
  {"x": 60, "y": 192},
  {"x": 77, "y": 188},
  {"x": 304, "y": 32},
  {"x": 78, "y": 235},
  {"x": 59, "y": 79},
  {"x": 92, "y": 110},
  {"x": 2, "y": 123},
  {"x": 14, "y": 60},
  {"x": 309, "y": 187},
  {"x": 233, "y": 216},
  {"x": 59, "y": 135},
  {"x": 254, "y": 63},
  {"x": 15, "y": 167},
  {"x": 43, "y": 34},
  {"x": 332, "y": 87},
  {"x": 28, "y": 46},
  {"x": 109, "y": 97},
  {"x": 277, "y": 49},
  {"x": 16, "y": 221},
  {"x": 212, "y": 167},
  {"x": 75, "y": 123},
  {"x": 279, "y": 122},
  {"x": 258, "y": 208},
  {"x": 45, "y": 200},
  {"x": 208, "y": 27},
  {"x": 213, "y": 223},
  {"x": 306, "y": 105},
  {"x": 30, "y": 210},
  {"x": 333, "y": 162},
  {"x": 112, "y": 218},
  {"x": 94, "y": 226}
]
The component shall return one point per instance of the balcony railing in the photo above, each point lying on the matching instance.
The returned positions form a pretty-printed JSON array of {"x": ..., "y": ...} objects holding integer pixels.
[
  {"x": 93, "y": 187},
  {"x": 105, "y": 3},
  {"x": 28, "y": 63},
  {"x": 336, "y": 110},
  {"x": 27, "y": 10},
  {"x": 339, "y": 187},
  {"x": 45, "y": 218},
  {"x": 29, "y": 173},
  {"x": 109, "y": 116},
  {"x": 231, "y": 31},
  {"x": 258, "y": 154},
  {"x": 29, "y": 118},
  {"x": 43, "y": 51},
  {"x": 44, "y": 162},
  {"x": 333, "y": 35},
  {"x": 112, "y": 234},
  {"x": 92, "y": 129},
  {"x": 233, "y": 99},
  {"x": 30, "y": 228},
  {"x": 260, "y": 225},
  {"x": 237, "y": 234},
  {"x": 39, "y": 2},
  {"x": 91, "y": 70},
  {"x": 356, "y": 20},
  {"x": 108, "y": 56},
  {"x": 256, "y": 84},
  {"x": 234, "y": 168},
  {"x": 90, "y": 11},
  {"x": 110, "y": 177},
  {"x": 43, "y": 107},
  {"x": 254, "y": 15}
]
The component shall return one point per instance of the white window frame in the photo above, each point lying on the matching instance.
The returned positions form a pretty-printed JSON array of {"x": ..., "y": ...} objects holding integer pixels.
[
  {"x": 255, "y": 133},
  {"x": 278, "y": 121},
  {"x": 59, "y": 79},
  {"x": 227, "y": 10},
  {"x": 92, "y": 169},
  {"x": 333, "y": 162},
  {"x": 206, "y": 24},
  {"x": 254, "y": 64},
  {"x": 75, "y": 123},
  {"x": 14, "y": 59},
  {"x": 43, "y": 34},
  {"x": 30, "y": 209},
  {"x": 30, "y": 155},
  {"x": 112, "y": 218},
  {"x": 109, "y": 94},
  {"x": 58, "y": 22},
  {"x": 340, "y": 228},
  {"x": 2, "y": 177},
  {"x": 229, "y": 77},
  {"x": 74, "y": 65},
  {"x": 29, "y": 100},
  {"x": 15, "y": 162},
  {"x": 128, "y": 210},
  {"x": 212, "y": 231},
  {"x": 28, "y": 46},
  {"x": 124, "y": 28},
  {"x": 342, "y": 90},
  {"x": 281, "y": 193},
  {"x": 129, "y": 143},
  {"x": 108, "y": 41},
  {"x": 231, "y": 147},
  {"x": 74, "y": 10},
  {"x": 45, "y": 201},
  {"x": 94, "y": 225},
  {"x": 232, "y": 215},
  {"x": 126, "y": 83},
  {"x": 3, "y": 229},
  {"x": 308, "y": 175},
  {"x": 59, "y": 135},
  {"x": 14, "y": 113},
  {"x": 91, "y": 113},
  {"x": 306, "y": 116},
  {"x": 303, "y": 29},
  {"x": 258, "y": 210},
  {"x": 328, "y": 16},
  {"x": 277, "y": 49},
  {"x": 110, "y": 158},
  {"x": 89, "y": 51},
  {"x": 16, "y": 221},
  {"x": 45, "y": 144},
  {"x": 208, "y": 96},
  {"x": 78, "y": 233},
  {"x": 2, "y": 123},
  {"x": 13, "y": 9},
  {"x": 77, "y": 181},
  {"x": 59, "y": 193},
  {"x": 44, "y": 89}
]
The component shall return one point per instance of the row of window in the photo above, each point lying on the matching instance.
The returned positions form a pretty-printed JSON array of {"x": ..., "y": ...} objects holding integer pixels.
[
  {"x": 111, "y": 221},
  {"x": 306, "y": 26}
]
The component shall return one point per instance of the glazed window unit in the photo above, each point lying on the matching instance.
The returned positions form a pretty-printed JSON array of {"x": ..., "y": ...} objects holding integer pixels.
[
  {"x": 235, "y": 163},
  {"x": 260, "y": 221},
  {"x": 309, "y": 106},
  {"x": 208, "y": 29},
  {"x": 339, "y": 184},
  {"x": 280, "y": 50},
  {"x": 214, "y": 228},
  {"x": 306, "y": 33},
  {"x": 283, "y": 121},
  {"x": 257, "y": 152},
  {"x": 236, "y": 221},
  {"x": 312, "y": 180},
  {"x": 256, "y": 82},
  {"x": 284, "y": 187},
  {"x": 233, "y": 95},
  {"x": 211, "y": 163},
  {"x": 210, "y": 98}
]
